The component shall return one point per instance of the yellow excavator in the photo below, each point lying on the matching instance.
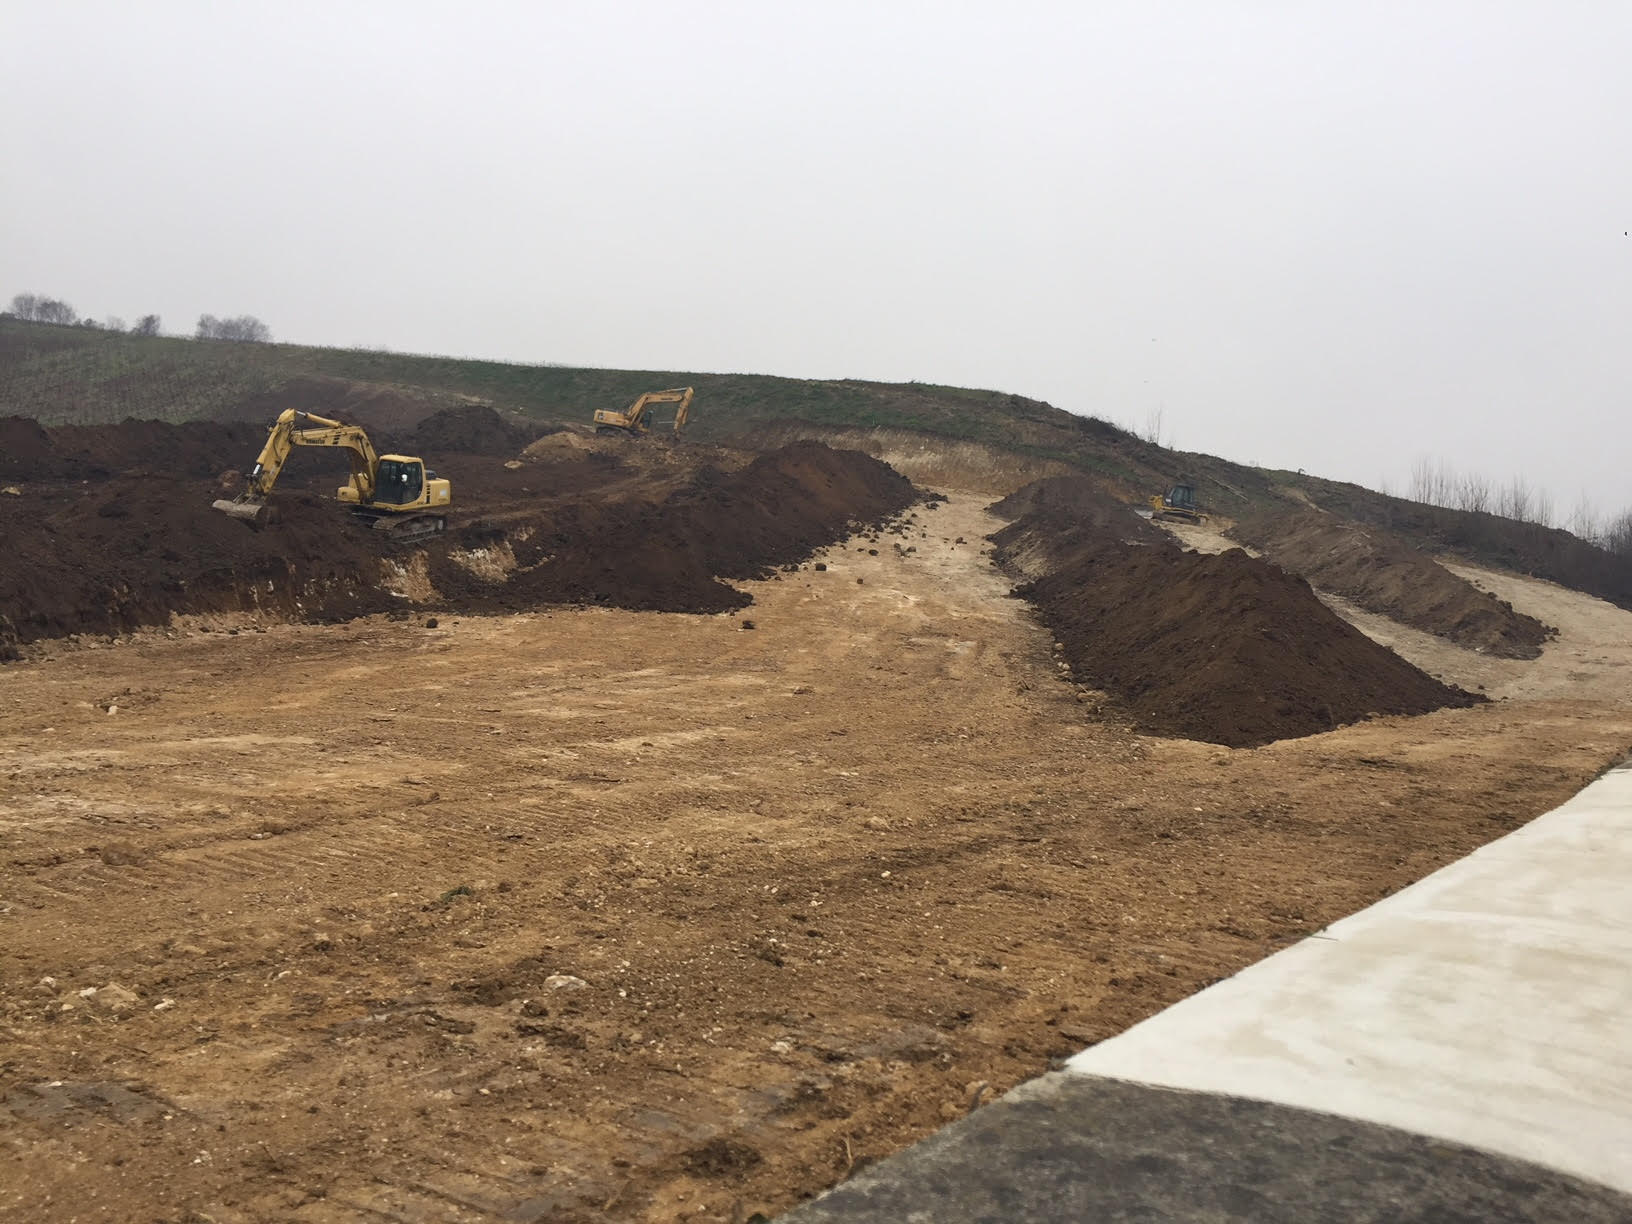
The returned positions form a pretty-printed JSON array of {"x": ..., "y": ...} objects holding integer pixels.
[
  {"x": 632, "y": 423},
  {"x": 391, "y": 493},
  {"x": 1177, "y": 505}
]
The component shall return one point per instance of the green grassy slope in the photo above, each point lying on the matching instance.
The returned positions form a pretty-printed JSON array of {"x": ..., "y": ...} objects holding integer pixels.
[{"x": 74, "y": 375}]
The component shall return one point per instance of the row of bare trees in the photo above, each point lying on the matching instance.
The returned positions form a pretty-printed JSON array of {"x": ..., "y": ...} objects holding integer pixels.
[
  {"x": 244, "y": 328},
  {"x": 1436, "y": 483},
  {"x": 37, "y": 308}
]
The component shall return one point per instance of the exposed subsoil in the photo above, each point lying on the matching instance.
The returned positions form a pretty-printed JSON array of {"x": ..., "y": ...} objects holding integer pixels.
[
  {"x": 596, "y": 915},
  {"x": 121, "y": 533},
  {"x": 1226, "y": 648},
  {"x": 1382, "y": 573}
]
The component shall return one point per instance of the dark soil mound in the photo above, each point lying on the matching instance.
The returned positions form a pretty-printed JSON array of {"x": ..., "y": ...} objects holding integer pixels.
[
  {"x": 25, "y": 447},
  {"x": 105, "y": 553},
  {"x": 389, "y": 413},
  {"x": 1082, "y": 500},
  {"x": 109, "y": 556},
  {"x": 1381, "y": 572},
  {"x": 1486, "y": 539},
  {"x": 667, "y": 556},
  {"x": 1223, "y": 648},
  {"x": 473, "y": 429},
  {"x": 1057, "y": 516},
  {"x": 78, "y": 452}
]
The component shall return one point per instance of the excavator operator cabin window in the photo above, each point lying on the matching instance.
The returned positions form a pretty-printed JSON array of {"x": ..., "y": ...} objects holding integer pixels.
[{"x": 398, "y": 483}]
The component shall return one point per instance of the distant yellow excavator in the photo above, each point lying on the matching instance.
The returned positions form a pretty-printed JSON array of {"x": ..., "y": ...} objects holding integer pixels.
[
  {"x": 392, "y": 493},
  {"x": 632, "y": 422}
]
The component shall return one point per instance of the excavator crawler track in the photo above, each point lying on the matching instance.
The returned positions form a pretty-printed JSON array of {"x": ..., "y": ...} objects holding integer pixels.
[{"x": 400, "y": 531}]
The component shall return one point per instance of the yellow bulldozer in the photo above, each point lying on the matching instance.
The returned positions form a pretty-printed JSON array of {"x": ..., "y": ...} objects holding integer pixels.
[
  {"x": 391, "y": 493},
  {"x": 1177, "y": 505},
  {"x": 634, "y": 422}
]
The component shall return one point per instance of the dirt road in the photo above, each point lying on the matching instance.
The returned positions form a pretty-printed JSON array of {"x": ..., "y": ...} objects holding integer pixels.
[{"x": 600, "y": 915}]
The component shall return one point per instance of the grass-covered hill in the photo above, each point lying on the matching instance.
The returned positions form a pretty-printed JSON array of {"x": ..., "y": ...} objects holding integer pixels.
[{"x": 63, "y": 375}]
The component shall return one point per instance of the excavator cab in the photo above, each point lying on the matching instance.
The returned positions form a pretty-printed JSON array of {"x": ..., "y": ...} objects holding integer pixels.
[{"x": 399, "y": 482}]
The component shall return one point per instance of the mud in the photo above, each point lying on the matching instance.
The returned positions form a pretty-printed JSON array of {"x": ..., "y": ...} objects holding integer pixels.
[
  {"x": 1382, "y": 573},
  {"x": 100, "y": 551},
  {"x": 1228, "y": 648}
]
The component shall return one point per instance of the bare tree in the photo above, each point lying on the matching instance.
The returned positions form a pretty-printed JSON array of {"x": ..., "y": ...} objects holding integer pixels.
[
  {"x": 147, "y": 325},
  {"x": 1618, "y": 534},
  {"x": 1584, "y": 520},
  {"x": 1514, "y": 500},
  {"x": 1422, "y": 480},
  {"x": 1153, "y": 425},
  {"x": 113, "y": 323},
  {"x": 51, "y": 310},
  {"x": 25, "y": 305},
  {"x": 1473, "y": 493},
  {"x": 243, "y": 328},
  {"x": 1543, "y": 513}
]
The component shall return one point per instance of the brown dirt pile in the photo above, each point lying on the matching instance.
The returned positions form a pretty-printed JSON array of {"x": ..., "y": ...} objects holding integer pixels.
[
  {"x": 31, "y": 452},
  {"x": 1062, "y": 515},
  {"x": 471, "y": 429},
  {"x": 1382, "y": 573},
  {"x": 381, "y": 408},
  {"x": 100, "y": 553},
  {"x": 667, "y": 556},
  {"x": 1227, "y": 648}
]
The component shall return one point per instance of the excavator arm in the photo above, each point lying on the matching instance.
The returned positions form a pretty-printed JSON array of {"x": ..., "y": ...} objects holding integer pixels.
[{"x": 294, "y": 428}]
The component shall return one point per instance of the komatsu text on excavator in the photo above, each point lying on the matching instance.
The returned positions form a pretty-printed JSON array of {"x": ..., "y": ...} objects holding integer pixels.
[{"x": 392, "y": 493}]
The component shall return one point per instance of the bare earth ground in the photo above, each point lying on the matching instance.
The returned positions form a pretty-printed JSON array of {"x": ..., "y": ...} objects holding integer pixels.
[{"x": 827, "y": 884}]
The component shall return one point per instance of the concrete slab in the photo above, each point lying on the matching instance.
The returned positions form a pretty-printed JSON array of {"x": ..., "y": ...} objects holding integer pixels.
[
  {"x": 1489, "y": 1005},
  {"x": 1077, "y": 1149}
]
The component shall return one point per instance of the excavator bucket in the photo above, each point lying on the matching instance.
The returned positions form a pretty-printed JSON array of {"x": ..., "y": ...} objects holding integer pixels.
[{"x": 256, "y": 513}]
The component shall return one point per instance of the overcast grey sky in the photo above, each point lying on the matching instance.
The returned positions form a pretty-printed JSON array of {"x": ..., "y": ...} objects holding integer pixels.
[{"x": 1335, "y": 237}]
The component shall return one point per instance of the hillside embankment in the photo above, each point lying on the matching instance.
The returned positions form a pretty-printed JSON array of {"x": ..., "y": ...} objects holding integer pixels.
[
  {"x": 1381, "y": 573},
  {"x": 1226, "y": 648}
]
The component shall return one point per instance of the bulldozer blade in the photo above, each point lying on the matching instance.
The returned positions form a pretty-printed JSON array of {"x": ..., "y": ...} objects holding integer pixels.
[{"x": 249, "y": 512}]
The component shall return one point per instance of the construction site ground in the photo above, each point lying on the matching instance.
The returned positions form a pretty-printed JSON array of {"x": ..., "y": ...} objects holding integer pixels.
[{"x": 594, "y": 914}]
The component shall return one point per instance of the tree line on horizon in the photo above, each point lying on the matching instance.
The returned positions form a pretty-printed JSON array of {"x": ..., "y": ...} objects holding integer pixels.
[
  {"x": 1436, "y": 483},
  {"x": 38, "y": 308}
]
